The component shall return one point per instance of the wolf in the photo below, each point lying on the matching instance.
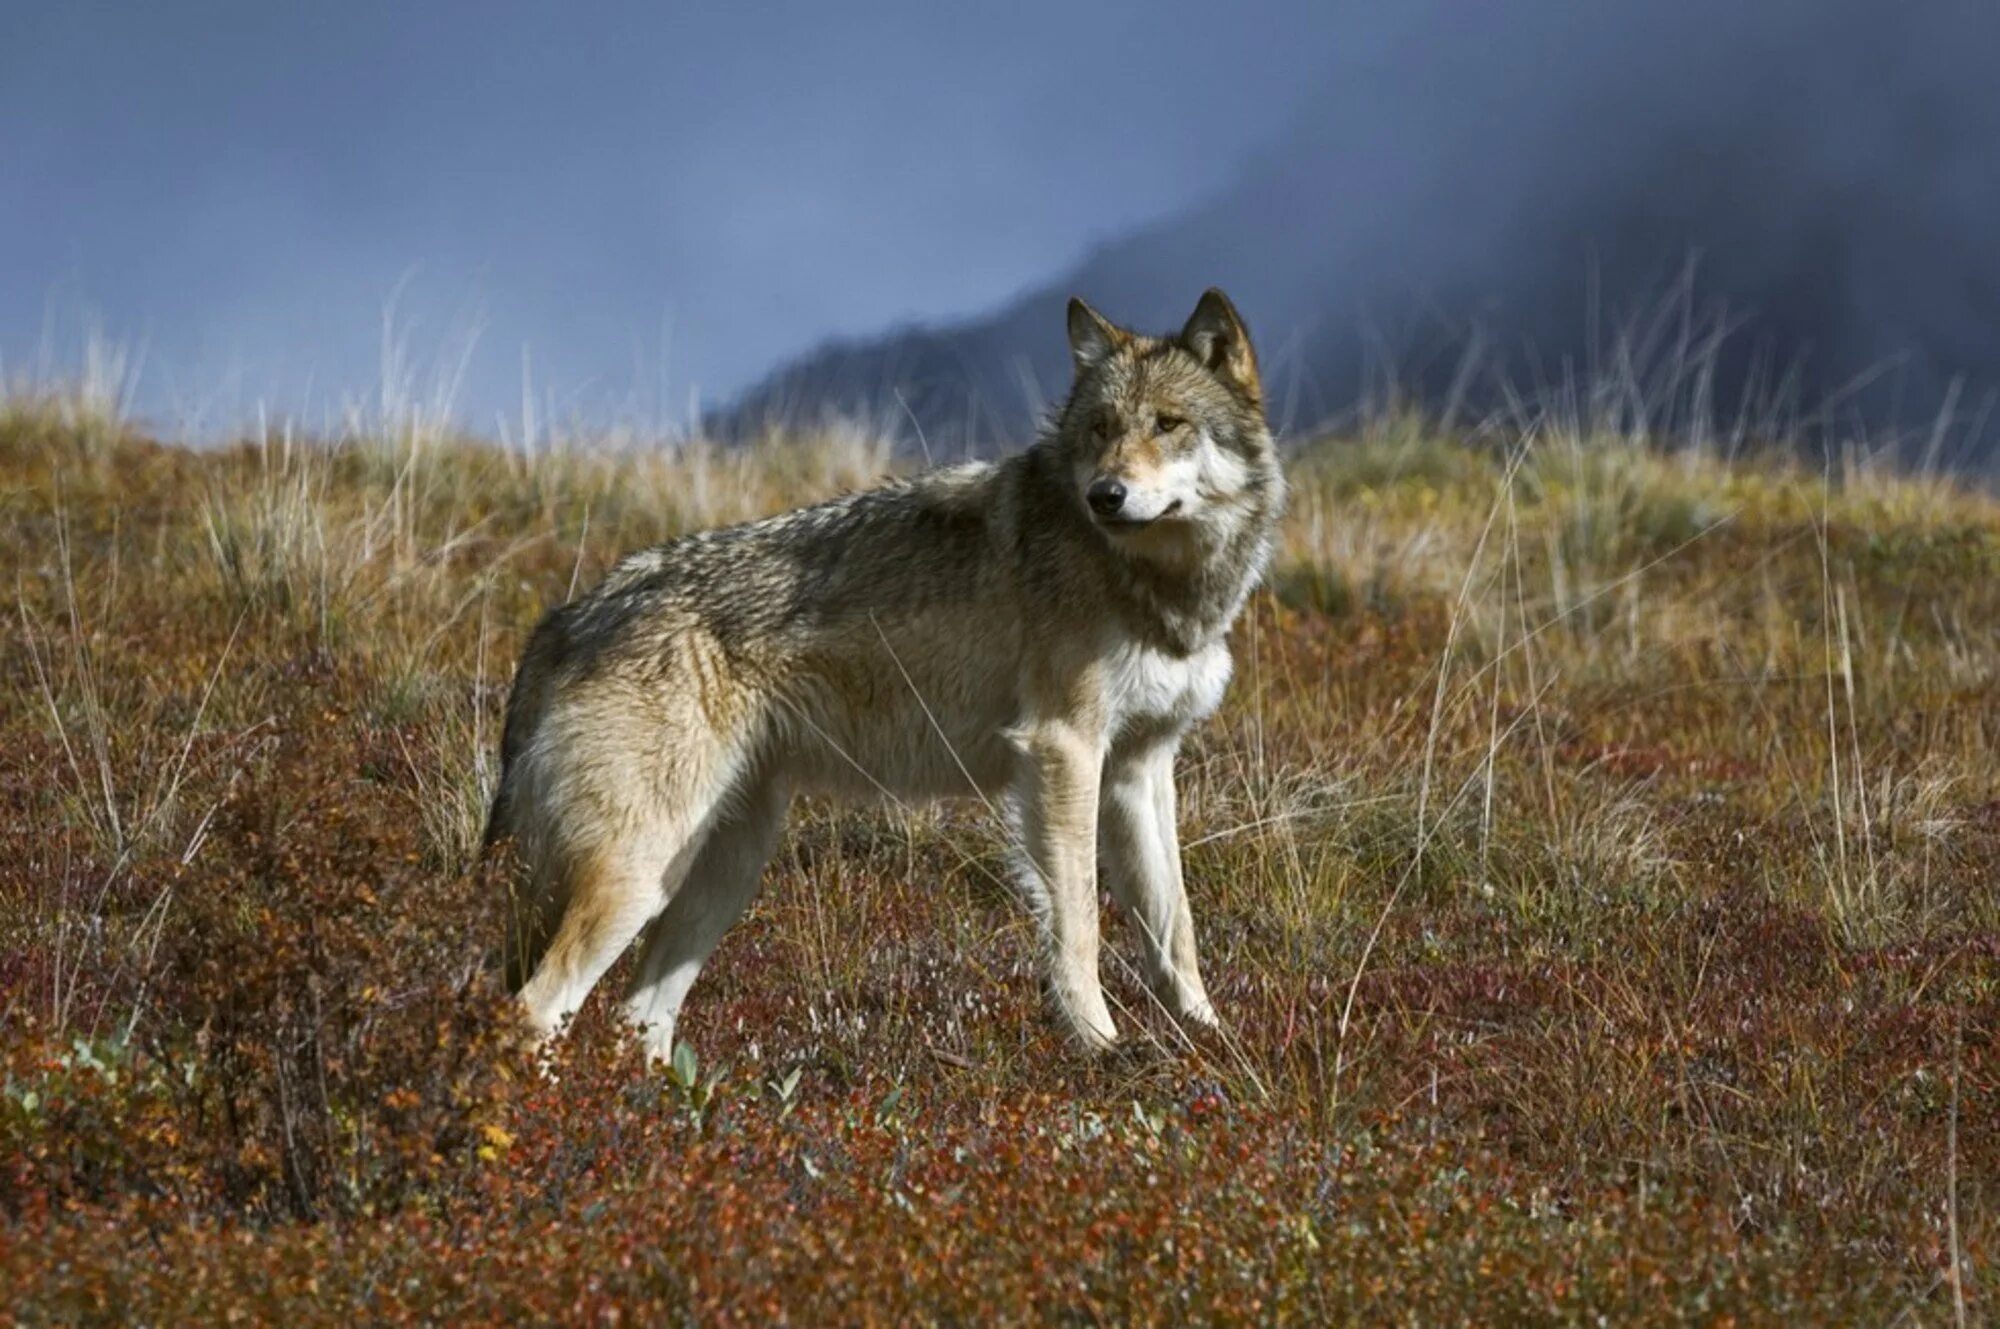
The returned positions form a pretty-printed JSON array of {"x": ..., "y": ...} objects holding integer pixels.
[{"x": 1037, "y": 632}]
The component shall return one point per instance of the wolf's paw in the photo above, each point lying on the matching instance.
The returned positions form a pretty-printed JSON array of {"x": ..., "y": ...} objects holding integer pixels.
[
  {"x": 1097, "y": 1040},
  {"x": 1092, "y": 1031},
  {"x": 1187, "y": 1003},
  {"x": 1198, "y": 1014}
]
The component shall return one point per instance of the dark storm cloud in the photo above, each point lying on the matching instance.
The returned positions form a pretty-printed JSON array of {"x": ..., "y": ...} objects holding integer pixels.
[{"x": 1519, "y": 176}]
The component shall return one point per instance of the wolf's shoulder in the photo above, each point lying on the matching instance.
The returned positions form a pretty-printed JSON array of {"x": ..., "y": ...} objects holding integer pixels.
[
  {"x": 966, "y": 488},
  {"x": 958, "y": 499}
]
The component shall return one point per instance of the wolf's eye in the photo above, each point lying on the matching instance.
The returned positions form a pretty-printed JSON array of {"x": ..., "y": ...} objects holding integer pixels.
[
  {"x": 1167, "y": 424},
  {"x": 1101, "y": 426}
]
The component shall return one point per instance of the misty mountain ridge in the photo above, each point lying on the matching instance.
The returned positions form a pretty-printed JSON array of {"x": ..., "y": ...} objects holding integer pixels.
[{"x": 1779, "y": 216}]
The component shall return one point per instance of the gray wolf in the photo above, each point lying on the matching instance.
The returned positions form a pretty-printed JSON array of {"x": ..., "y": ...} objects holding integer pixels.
[{"x": 1039, "y": 632}]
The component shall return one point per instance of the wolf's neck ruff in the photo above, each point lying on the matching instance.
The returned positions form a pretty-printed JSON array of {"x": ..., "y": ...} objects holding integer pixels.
[
  {"x": 1191, "y": 604},
  {"x": 1180, "y": 590}
]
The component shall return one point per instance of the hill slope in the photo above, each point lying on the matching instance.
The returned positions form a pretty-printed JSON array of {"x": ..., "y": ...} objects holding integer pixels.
[{"x": 1594, "y": 861}]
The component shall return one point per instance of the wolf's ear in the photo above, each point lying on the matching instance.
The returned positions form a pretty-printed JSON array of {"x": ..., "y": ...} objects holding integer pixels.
[
  {"x": 1092, "y": 336},
  {"x": 1216, "y": 336}
]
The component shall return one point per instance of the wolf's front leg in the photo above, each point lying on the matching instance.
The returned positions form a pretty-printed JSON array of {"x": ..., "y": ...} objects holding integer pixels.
[
  {"x": 1058, "y": 823},
  {"x": 1140, "y": 849}
]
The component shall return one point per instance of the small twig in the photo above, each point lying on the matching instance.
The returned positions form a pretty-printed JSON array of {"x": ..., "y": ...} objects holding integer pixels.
[{"x": 1957, "y": 1274}]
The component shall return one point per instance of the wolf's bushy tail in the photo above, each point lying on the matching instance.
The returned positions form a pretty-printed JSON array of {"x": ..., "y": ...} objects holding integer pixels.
[
  {"x": 524, "y": 934},
  {"x": 499, "y": 822}
]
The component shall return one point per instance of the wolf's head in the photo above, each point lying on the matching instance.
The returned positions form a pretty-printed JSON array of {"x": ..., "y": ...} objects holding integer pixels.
[{"x": 1165, "y": 436}]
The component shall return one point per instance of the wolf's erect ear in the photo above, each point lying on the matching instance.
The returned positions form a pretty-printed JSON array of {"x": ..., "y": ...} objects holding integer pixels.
[
  {"x": 1092, "y": 336},
  {"x": 1217, "y": 337}
]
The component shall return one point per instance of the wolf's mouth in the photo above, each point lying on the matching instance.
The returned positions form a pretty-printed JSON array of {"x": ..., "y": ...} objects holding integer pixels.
[{"x": 1116, "y": 522}]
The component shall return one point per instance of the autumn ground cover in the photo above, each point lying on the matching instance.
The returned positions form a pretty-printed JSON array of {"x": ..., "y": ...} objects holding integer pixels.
[{"x": 1596, "y": 862}]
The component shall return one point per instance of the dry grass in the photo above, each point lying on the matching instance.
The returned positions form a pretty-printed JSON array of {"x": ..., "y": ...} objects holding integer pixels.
[{"x": 1596, "y": 861}]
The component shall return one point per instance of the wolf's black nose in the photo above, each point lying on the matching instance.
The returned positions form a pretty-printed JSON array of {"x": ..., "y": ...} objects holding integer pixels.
[{"x": 1106, "y": 496}]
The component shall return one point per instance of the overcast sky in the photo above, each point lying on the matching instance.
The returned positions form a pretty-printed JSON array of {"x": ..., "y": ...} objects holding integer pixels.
[{"x": 650, "y": 197}]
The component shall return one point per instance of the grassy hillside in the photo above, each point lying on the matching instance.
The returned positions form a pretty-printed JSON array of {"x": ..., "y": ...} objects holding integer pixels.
[{"x": 1596, "y": 864}]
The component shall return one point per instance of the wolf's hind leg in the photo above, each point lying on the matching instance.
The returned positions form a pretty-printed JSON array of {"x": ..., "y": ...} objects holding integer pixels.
[
  {"x": 611, "y": 894},
  {"x": 716, "y": 891}
]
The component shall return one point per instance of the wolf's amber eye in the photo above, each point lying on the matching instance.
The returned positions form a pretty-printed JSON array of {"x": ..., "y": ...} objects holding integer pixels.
[{"x": 1167, "y": 424}]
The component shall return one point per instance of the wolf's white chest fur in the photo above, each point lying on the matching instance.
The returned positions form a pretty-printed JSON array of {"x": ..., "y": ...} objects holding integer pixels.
[{"x": 1146, "y": 688}]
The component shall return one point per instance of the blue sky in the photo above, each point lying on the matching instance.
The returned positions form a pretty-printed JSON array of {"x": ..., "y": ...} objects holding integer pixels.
[{"x": 653, "y": 199}]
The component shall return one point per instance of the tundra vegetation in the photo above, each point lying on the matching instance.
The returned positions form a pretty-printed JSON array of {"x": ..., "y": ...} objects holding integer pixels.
[{"x": 1596, "y": 856}]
